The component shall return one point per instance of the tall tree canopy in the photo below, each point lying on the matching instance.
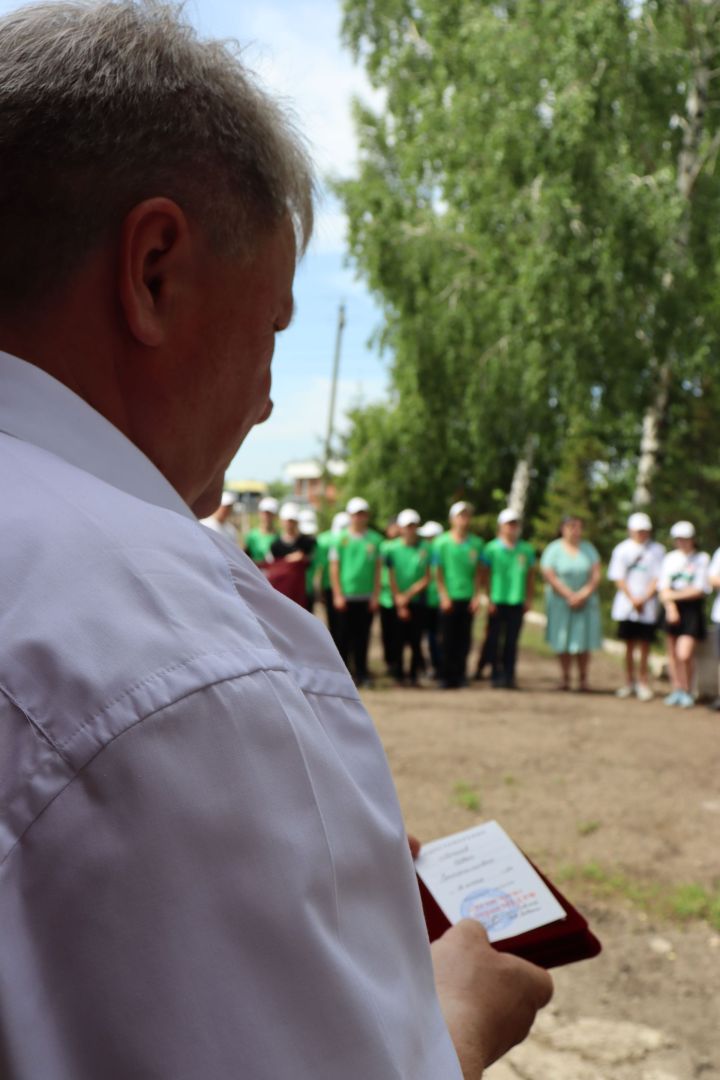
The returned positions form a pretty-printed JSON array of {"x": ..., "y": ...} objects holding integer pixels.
[{"x": 536, "y": 209}]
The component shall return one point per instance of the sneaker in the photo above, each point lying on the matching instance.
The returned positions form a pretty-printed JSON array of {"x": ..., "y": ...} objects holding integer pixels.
[
  {"x": 686, "y": 700},
  {"x": 626, "y": 691},
  {"x": 673, "y": 699},
  {"x": 644, "y": 693}
]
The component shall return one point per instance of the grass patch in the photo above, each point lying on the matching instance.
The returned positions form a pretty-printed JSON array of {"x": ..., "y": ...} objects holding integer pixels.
[
  {"x": 681, "y": 903},
  {"x": 587, "y": 828},
  {"x": 467, "y": 796}
]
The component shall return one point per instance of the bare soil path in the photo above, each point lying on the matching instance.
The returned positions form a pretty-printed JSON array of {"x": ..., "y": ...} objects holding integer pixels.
[{"x": 618, "y": 800}]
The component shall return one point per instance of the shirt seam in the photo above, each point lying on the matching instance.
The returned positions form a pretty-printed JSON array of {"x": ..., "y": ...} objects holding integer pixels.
[{"x": 77, "y": 772}]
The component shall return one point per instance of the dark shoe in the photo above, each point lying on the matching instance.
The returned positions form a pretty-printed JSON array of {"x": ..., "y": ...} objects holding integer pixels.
[{"x": 715, "y": 705}]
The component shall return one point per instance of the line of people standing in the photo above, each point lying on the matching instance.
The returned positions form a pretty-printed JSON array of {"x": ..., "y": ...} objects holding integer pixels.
[{"x": 427, "y": 584}]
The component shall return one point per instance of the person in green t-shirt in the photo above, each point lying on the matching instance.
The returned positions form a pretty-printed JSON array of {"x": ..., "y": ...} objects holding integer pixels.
[
  {"x": 355, "y": 577},
  {"x": 430, "y": 532},
  {"x": 325, "y": 541},
  {"x": 459, "y": 570},
  {"x": 408, "y": 564},
  {"x": 388, "y": 615},
  {"x": 258, "y": 541},
  {"x": 510, "y": 563}
]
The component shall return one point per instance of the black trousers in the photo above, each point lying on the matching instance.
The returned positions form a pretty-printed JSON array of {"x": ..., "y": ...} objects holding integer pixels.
[
  {"x": 332, "y": 616},
  {"x": 354, "y": 636},
  {"x": 408, "y": 634},
  {"x": 388, "y": 627},
  {"x": 504, "y": 627},
  {"x": 432, "y": 628},
  {"x": 456, "y": 630}
]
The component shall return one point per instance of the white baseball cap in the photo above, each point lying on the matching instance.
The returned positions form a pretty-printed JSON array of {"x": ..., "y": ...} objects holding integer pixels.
[
  {"x": 308, "y": 522},
  {"x": 506, "y": 516},
  {"x": 357, "y": 506},
  {"x": 683, "y": 530},
  {"x": 430, "y": 529},
  {"x": 408, "y": 517},
  {"x": 289, "y": 511},
  {"x": 458, "y": 507},
  {"x": 229, "y": 498},
  {"x": 268, "y": 504},
  {"x": 340, "y": 521},
  {"x": 639, "y": 522}
]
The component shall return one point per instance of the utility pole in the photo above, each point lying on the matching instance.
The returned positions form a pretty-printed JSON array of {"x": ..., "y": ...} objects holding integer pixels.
[{"x": 333, "y": 392}]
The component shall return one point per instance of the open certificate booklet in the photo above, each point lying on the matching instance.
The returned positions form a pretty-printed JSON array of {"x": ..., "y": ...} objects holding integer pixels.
[{"x": 481, "y": 874}]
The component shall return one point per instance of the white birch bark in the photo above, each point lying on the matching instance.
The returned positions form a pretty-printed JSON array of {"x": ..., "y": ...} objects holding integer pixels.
[{"x": 520, "y": 486}]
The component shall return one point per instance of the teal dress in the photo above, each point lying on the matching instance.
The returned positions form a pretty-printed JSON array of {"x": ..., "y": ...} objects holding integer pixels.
[{"x": 571, "y": 630}]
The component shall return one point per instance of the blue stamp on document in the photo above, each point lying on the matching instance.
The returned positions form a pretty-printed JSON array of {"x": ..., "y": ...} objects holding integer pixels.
[{"x": 496, "y": 910}]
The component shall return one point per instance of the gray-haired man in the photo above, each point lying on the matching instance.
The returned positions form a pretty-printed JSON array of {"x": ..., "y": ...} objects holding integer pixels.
[{"x": 204, "y": 873}]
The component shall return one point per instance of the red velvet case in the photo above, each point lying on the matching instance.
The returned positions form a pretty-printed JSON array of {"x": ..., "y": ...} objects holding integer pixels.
[{"x": 557, "y": 943}]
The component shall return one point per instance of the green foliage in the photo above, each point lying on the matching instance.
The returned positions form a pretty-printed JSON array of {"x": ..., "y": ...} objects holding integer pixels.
[
  {"x": 518, "y": 215},
  {"x": 683, "y": 902},
  {"x": 467, "y": 796}
]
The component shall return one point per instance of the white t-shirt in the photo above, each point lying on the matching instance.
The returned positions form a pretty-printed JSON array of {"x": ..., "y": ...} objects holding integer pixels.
[
  {"x": 681, "y": 571},
  {"x": 714, "y": 571},
  {"x": 637, "y": 565}
]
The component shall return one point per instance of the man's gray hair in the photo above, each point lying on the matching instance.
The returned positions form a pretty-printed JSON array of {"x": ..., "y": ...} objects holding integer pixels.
[{"x": 104, "y": 104}]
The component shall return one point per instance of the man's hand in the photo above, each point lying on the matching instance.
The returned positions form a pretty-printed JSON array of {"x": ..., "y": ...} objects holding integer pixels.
[
  {"x": 489, "y": 999},
  {"x": 446, "y": 603},
  {"x": 339, "y": 602}
]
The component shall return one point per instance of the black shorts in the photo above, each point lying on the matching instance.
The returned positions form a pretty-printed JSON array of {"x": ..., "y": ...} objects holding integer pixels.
[
  {"x": 636, "y": 631},
  {"x": 692, "y": 620}
]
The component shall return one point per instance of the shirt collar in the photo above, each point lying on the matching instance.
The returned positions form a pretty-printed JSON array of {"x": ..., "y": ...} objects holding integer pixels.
[{"x": 38, "y": 409}]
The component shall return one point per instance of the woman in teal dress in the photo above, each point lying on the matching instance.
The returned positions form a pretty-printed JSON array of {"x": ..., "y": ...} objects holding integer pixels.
[{"x": 571, "y": 568}]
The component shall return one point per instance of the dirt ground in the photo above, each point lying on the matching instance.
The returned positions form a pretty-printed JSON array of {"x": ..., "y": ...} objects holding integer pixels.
[{"x": 580, "y": 779}]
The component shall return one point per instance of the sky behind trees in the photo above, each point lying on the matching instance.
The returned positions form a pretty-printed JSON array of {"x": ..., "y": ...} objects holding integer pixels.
[{"x": 294, "y": 46}]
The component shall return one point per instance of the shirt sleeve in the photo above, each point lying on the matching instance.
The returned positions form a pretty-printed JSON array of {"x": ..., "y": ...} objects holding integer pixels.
[
  {"x": 591, "y": 551},
  {"x": 547, "y": 560},
  {"x": 665, "y": 571},
  {"x": 617, "y": 568},
  {"x": 714, "y": 567},
  {"x": 164, "y": 918},
  {"x": 701, "y": 578}
]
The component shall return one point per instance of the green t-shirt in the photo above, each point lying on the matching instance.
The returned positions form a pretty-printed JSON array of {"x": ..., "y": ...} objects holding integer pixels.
[
  {"x": 458, "y": 563},
  {"x": 325, "y": 541},
  {"x": 257, "y": 544},
  {"x": 432, "y": 595},
  {"x": 509, "y": 568},
  {"x": 386, "y": 596},
  {"x": 358, "y": 557},
  {"x": 408, "y": 561}
]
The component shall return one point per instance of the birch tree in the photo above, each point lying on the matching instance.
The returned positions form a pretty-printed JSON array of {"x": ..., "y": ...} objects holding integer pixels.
[{"x": 536, "y": 210}]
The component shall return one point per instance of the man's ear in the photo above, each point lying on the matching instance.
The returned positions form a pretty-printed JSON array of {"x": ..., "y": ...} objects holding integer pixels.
[{"x": 154, "y": 253}]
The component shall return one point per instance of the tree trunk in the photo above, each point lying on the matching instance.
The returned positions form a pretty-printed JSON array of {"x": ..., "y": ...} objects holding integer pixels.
[
  {"x": 520, "y": 487},
  {"x": 650, "y": 439}
]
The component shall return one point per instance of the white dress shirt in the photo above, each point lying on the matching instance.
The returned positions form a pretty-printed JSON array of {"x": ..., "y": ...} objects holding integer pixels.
[
  {"x": 203, "y": 868},
  {"x": 225, "y": 528}
]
